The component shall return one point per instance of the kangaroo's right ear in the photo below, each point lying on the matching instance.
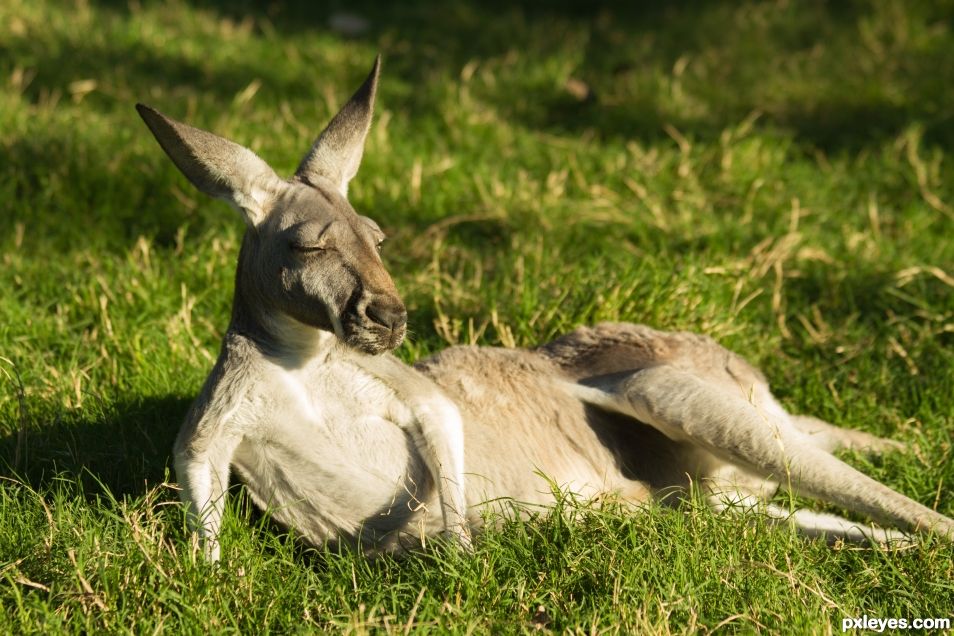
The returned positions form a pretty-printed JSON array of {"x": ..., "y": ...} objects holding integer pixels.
[{"x": 216, "y": 166}]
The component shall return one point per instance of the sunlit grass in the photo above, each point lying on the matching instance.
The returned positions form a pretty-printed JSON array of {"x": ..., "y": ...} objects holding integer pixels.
[{"x": 778, "y": 175}]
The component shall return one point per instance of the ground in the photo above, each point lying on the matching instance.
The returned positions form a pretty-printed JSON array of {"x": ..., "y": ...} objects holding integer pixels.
[{"x": 779, "y": 175}]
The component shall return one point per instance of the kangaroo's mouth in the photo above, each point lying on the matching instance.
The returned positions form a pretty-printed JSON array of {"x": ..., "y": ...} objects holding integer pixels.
[{"x": 373, "y": 339}]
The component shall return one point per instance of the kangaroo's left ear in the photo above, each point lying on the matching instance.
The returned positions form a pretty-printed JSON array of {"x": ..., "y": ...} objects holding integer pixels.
[{"x": 336, "y": 154}]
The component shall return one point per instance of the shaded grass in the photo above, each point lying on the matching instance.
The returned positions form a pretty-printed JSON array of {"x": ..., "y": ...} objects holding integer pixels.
[{"x": 778, "y": 175}]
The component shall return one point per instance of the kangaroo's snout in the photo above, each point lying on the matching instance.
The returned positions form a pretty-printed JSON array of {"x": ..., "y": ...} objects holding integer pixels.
[
  {"x": 388, "y": 313},
  {"x": 376, "y": 324},
  {"x": 381, "y": 325}
]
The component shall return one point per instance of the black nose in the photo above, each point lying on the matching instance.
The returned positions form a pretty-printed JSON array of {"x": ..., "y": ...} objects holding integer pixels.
[{"x": 390, "y": 315}]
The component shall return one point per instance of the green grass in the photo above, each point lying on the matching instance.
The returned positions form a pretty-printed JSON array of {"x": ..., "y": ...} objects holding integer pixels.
[{"x": 779, "y": 175}]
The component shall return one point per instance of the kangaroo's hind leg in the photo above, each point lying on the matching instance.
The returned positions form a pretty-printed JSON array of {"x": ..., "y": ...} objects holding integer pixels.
[
  {"x": 806, "y": 522},
  {"x": 758, "y": 437},
  {"x": 830, "y": 437},
  {"x": 731, "y": 489}
]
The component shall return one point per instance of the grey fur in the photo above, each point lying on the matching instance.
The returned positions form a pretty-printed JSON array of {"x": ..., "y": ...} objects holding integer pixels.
[{"x": 346, "y": 443}]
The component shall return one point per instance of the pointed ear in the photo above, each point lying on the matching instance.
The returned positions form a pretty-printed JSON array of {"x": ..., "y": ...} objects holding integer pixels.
[
  {"x": 214, "y": 165},
  {"x": 336, "y": 154}
]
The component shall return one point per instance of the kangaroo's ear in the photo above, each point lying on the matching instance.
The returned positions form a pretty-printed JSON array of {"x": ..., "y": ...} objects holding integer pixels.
[
  {"x": 216, "y": 166},
  {"x": 336, "y": 154}
]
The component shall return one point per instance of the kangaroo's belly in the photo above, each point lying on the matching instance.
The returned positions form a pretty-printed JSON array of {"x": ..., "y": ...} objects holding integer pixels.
[{"x": 524, "y": 433}]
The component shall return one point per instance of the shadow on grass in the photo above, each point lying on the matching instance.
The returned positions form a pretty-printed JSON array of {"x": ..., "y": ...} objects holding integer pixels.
[
  {"x": 834, "y": 102},
  {"x": 838, "y": 102},
  {"x": 798, "y": 65},
  {"x": 124, "y": 448},
  {"x": 146, "y": 208}
]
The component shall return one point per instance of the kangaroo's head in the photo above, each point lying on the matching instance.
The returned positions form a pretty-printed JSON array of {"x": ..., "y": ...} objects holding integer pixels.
[{"x": 308, "y": 258}]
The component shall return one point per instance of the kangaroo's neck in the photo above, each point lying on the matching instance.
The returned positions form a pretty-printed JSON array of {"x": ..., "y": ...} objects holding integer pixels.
[{"x": 274, "y": 333}]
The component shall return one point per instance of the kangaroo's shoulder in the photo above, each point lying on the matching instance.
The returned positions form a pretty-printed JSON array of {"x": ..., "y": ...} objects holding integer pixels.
[{"x": 233, "y": 374}]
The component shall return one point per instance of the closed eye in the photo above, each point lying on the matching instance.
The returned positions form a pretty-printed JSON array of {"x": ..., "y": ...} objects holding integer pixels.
[{"x": 308, "y": 249}]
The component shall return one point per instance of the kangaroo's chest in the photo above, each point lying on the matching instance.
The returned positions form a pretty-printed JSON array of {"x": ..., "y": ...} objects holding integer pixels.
[
  {"x": 327, "y": 456},
  {"x": 323, "y": 400}
]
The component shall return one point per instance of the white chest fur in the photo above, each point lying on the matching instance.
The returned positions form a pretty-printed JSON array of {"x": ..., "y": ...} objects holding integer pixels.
[{"x": 324, "y": 453}]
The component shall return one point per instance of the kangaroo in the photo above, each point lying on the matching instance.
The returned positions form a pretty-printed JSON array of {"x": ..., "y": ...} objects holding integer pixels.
[{"x": 345, "y": 443}]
